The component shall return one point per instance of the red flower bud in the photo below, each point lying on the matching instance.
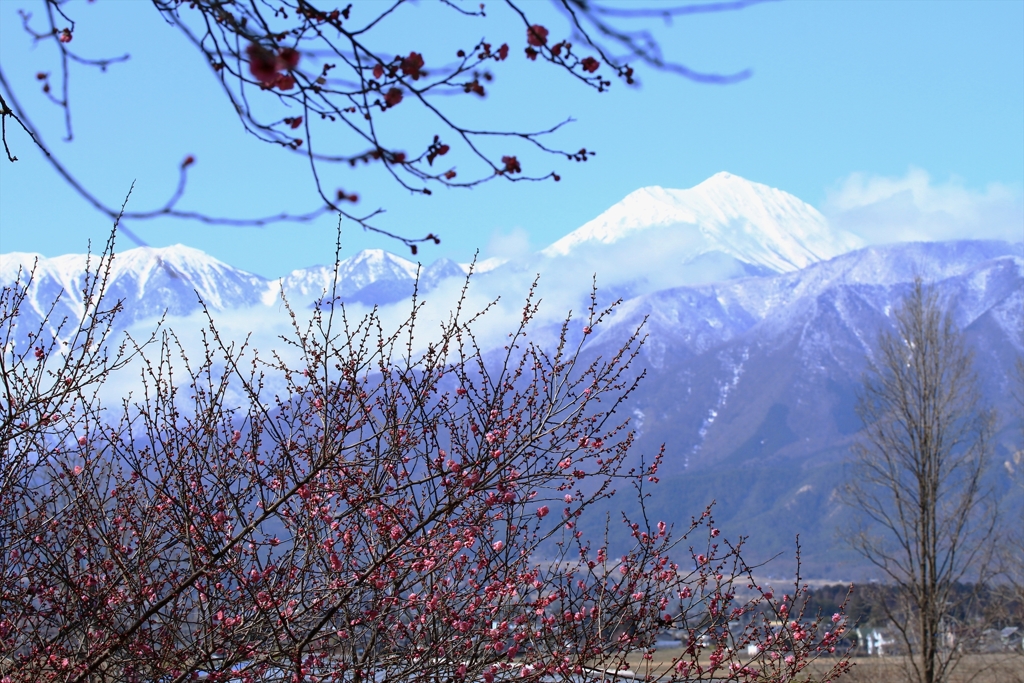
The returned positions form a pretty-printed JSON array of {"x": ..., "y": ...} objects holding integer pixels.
[
  {"x": 393, "y": 97},
  {"x": 262, "y": 64},
  {"x": 537, "y": 35},
  {"x": 412, "y": 64},
  {"x": 288, "y": 58}
]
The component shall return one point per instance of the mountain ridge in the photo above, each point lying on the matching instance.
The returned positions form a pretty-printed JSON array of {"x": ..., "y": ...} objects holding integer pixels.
[
  {"x": 754, "y": 366},
  {"x": 723, "y": 228},
  {"x": 755, "y": 223}
]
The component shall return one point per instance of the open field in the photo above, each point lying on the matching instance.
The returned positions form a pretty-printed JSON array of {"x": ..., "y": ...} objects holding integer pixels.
[{"x": 988, "y": 668}]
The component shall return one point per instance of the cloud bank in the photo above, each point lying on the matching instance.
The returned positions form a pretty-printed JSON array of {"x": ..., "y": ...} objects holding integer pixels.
[{"x": 915, "y": 208}]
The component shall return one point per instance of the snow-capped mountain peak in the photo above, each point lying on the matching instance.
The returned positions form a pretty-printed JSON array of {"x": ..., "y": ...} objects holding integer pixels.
[
  {"x": 371, "y": 265},
  {"x": 751, "y": 222},
  {"x": 149, "y": 280},
  {"x": 355, "y": 273}
]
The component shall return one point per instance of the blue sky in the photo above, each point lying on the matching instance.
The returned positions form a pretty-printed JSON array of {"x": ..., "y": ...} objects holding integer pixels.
[{"x": 897, "y": 119}]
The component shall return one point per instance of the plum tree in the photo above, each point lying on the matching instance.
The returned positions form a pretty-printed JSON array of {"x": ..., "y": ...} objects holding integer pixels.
[{"x": 351, "y": 509}]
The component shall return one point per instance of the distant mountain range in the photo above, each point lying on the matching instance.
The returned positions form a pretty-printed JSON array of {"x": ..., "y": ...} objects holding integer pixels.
[
  {"x": 752, "y": 383},
  {"x": 760, "y": 316},
  {"x": 654, "y": 239}
]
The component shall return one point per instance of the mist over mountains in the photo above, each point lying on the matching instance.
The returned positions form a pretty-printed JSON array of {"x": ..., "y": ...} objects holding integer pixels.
[{"x": 760, "y": 318}]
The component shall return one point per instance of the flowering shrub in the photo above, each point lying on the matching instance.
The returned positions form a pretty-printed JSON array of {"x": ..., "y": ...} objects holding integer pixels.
[{"x": 387, "y": 515}]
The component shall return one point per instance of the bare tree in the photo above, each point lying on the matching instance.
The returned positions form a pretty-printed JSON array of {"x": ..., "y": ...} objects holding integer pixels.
[
  {"x": 1011, "y": 610},
  {"x": 918, "y": 478}
]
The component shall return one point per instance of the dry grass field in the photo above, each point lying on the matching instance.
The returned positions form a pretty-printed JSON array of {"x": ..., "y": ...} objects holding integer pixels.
[{"x": 989, "y": 668}]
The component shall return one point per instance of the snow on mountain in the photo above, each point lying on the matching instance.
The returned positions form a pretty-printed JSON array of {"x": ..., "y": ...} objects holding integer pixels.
[
  {"x": 151, "y": 281},
  {"x": 371, "y": 277},
  {"x": 703, "y": 317},
  {"x": 148, "y": 280},
  {"x": 354, "y": 273},
  {"x": 724, "y": 228},
  {"x": 752, "y": 383},
  {"x": 438, "y": 271},
  {"x": 654, "y": 241},
  {"x": 753, "y": 223},
  {"x": 484, "y": 265}
]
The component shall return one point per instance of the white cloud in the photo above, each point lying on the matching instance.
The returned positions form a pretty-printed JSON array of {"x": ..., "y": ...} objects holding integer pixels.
[
  {"x": 915, "y": 208},
  {"x": 512, "y": 245},
  {"x": 261, "y": 328}
]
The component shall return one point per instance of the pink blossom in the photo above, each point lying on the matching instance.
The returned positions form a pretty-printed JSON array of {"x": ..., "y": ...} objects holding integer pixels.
[
  {"x": 836, "y": 617},
  {"x": 542, "y": 511},
  {"x": 498, "y": 545},
  {"x": 82, "y": 440}
]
